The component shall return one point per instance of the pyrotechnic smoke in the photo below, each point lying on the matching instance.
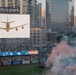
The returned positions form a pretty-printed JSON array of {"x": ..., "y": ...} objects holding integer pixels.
[{"x": 62, "y": 59}]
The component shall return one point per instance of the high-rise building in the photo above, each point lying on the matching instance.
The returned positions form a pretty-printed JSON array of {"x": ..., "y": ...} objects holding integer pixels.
[
  {"x": 59, "y": 13},
  {"x": 48, "y": 15},
  {"x": 39, "y": 14},
  {"x": 32, "y": 12}
]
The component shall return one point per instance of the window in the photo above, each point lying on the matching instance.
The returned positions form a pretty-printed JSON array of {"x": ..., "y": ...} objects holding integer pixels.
[
  {"x": 34, "y": 36},
  {"x": 38, "y": 40},
  {"x": 34, "y": 33},
  {"x": 38, "y": 36},
  {"x": 34, "y": 42},
  {"x": 38, "y": 43},
  {"x": 34, "y": 39},
  {"x": 38, "y": 33}
]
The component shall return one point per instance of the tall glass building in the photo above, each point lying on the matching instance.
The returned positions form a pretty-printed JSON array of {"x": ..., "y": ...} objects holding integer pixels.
[{"x": 59, "y": 11}]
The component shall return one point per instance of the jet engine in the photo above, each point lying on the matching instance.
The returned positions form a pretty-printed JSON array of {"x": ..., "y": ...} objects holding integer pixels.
[{"x": 16, "y": 29}]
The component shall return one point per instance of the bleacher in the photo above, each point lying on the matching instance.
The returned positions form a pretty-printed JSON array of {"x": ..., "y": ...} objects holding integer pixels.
[{"x": 17, "y": 54}]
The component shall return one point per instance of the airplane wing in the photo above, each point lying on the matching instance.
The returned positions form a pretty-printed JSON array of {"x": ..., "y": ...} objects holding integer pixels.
[
  {"x": 18, "y": 26},
  {"x": 3, "y": 22},
  {"x": 8, "y": 22},
  {"x": 11, "y": 21},
  {"x": 3, "y": 28}
]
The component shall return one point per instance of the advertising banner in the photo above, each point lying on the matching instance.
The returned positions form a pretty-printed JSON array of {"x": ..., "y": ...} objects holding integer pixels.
[
  {"x": 13, "y": 53},
  {"x": 25, "y": 62},
  {"x": 10, "y": 10},
  {"x": 6, "y": 63},
  {"x": 34, "y": 61},
  {"x": 33, "y": 52},
  {"x": 17, "y": 62}
]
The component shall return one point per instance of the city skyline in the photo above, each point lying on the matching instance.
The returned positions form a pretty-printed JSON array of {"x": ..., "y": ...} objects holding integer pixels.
[
  {"x": 71, "y": 3},
  {"x": 59, "y": 10}
]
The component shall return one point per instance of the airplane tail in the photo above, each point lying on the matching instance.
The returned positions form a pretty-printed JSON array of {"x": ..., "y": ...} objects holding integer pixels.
[{"x": 7, "y": 21}]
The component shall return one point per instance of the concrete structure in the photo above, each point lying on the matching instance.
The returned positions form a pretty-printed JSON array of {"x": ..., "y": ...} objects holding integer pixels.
[
  {"x": 48, "y": 15},
  {"x": 38, "y": 37},
  {"x": 59, "y": 13},
  {"x": 24, "y": 6}
]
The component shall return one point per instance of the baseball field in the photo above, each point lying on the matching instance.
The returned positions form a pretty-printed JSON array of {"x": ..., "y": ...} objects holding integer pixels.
[{"x": 21, "y": 70}]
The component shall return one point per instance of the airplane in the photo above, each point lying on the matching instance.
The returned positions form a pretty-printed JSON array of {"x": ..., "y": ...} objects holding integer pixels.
[{"x": 8, "y": 25}]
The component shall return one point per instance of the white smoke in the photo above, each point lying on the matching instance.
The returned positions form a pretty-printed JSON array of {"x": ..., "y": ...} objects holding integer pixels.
[{"x": 63, "y": 60}]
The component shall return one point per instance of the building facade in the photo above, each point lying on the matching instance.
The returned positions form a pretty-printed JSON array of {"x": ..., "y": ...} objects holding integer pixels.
[
  {"x": 48, "y": 15},
  {"x": 38, "y": 37},
  {"x": 32, "y": 12},
  {"x": 39, "y": 14},
  {"x": 8, "y": 3}
]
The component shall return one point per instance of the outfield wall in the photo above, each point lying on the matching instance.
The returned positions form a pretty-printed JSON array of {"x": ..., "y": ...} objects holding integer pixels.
[{"x": 18, "y": 63}]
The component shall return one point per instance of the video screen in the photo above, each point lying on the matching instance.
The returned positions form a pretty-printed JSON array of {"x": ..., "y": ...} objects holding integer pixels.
[{"x": 14, "y": 26}]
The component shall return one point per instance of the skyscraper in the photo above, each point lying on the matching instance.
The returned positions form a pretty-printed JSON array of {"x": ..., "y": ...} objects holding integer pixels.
[
  {"x": 48, "y": 15},
  {"x": 71, "y": 14},
  {"x": 39, "y": 14},
  {"x": 59, "y": 10},
  {"x": 32, "y": 12}
]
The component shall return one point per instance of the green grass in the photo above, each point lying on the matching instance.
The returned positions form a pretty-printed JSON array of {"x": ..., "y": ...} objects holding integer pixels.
[{"x": 21, "y": 70}]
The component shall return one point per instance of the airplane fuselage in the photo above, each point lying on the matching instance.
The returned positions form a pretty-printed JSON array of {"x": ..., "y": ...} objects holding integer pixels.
[{"x": 7, "y": 26}]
